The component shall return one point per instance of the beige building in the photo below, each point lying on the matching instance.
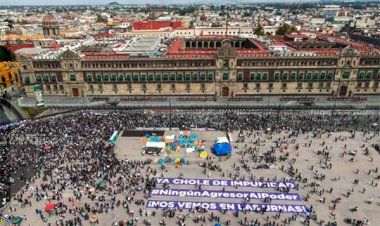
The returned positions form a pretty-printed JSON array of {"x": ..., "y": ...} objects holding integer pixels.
[{"x": 209, "y": 67}]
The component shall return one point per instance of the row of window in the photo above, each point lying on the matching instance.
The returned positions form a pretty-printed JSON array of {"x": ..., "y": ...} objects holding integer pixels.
[
  {"x": 284, "y": 75},
  {"x": 202, "y": 76},
  {"x": 173, "y": 86},
  {"x": 366, "y": 75},
  {"x": 300, "y": 85},
  {"x": 44, "y": 78},
  {"x": 188, "y": 76},
  {"x": 250, "y": 63},
  {"x": 150, "y": 64}
]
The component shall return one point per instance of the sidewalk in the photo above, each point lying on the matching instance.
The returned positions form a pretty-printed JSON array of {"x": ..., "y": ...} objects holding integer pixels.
[{"x": 265, "y": 101}]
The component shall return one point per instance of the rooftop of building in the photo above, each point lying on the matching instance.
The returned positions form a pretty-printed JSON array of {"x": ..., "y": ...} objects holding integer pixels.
[
  {"x": 297, "y": 44},
  {"x": 49, "y": 18}
]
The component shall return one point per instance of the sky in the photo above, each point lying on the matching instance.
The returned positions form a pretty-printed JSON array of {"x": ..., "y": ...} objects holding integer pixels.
[{"x": 102, "y": 2}]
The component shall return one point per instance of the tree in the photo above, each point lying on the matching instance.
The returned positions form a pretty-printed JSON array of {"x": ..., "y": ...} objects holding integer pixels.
[
  {"x": 10, "y": 22},
  {"x": 6, "y": 55},
  {"x": 259, "y": 30},
  {"x": 285, "y": 29}
]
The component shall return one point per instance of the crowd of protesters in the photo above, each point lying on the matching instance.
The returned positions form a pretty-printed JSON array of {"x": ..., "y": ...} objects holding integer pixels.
[{"x": 70, "y": 152}]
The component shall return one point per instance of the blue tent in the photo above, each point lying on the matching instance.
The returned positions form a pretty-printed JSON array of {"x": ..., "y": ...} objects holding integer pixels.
[
  {"x": 193, "y": 137},
  {"x": 182, "y": 143},
  {"x": 222, "y": 149},
  {"x": 154, "y": 139},
  {"x": 147, "y": 135}
]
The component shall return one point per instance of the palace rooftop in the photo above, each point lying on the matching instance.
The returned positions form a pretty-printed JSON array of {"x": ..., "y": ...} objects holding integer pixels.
[{"x": 207, "y": 46}]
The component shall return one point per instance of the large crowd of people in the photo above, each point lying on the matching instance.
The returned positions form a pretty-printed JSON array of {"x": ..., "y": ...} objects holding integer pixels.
[{"x": 70, "y": 152}]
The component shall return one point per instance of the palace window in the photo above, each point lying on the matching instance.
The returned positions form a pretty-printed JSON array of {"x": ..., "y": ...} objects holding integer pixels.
[
  {"x": 369, "y": 74},
  {"x": 310, "y": 85},
  {"x": 265, "y": 76},
  {"x": 151, "y": 77},
  {"x": 113, "y": 77},
  {"x": 158, "y": 76},
  {"x": 98, "y": 77},
  {"x": 46, "y": 77},
  {"x": 240, "y": 76},
  {"x": 308, "y": 75},
  {"x": 195, "y": 76},
  {"x": 105, "y": 77},
  {"x": 179, "y": 76},
  {"x": 346, "y": 74},
  {"x": 316, "y": 75},
  {"x": 89, "y": 77},
  {"x": 26, "y": 80},
  {"x": 300, "y": 75},
  {"x": 258, "y": 76},
  {"x": 128, "y": 77},
  {"x": 252, "y": 76},
  {"x": 121, "y": 76},
  {"x": 294, "y": 75},
  {"x": 187, "y": 77},
  {"x": 330, "y": 75},
  {"x": 172, "y": 76},
  {"x": 367, "y": 84},
  {"x": 286, "y": 75},
  {"x": 211, "y": 76},
  {"x": 73, "y": 77},
  {"x": 166, "y": 76},
  {"x": 143, "y": 77},
  {"x": 277, "y": 75},
  {"x": 226, "y": 76},
  {"x": 38, "y": 78},
  {"x": 135, "y": 77},
  {"x": 323, "y": 75},
  {"x": 203, "y": 76}
]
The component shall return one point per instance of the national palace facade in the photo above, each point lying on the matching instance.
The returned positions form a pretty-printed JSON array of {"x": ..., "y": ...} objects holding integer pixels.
[{"x": 211, "y": 66}]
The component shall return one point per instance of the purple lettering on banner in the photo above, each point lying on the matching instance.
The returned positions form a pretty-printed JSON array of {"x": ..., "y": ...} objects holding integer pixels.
[
  {"x": 225, "y": 194},
  {"x": 284, "y": 208},
  {"x": 228, "y": 183}
]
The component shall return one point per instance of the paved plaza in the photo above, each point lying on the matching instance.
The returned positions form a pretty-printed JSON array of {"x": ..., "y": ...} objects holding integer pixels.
[{"x": 324, "y": 180}]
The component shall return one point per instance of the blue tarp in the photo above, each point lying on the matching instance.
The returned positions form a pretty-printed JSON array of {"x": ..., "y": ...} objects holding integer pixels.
[
  {"x": 154, "y": 139},
  {"x": 182, "y": 143},
  {"x": 222, "y": 149},
  {"x": 193, "y": 138}
]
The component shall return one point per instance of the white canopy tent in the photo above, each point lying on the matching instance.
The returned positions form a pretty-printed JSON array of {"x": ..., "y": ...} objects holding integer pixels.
[{"x": 154, "y": 147}]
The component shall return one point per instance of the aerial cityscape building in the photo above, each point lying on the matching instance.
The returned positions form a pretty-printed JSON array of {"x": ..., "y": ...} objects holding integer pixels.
[{"x": 228, "y": 51}]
